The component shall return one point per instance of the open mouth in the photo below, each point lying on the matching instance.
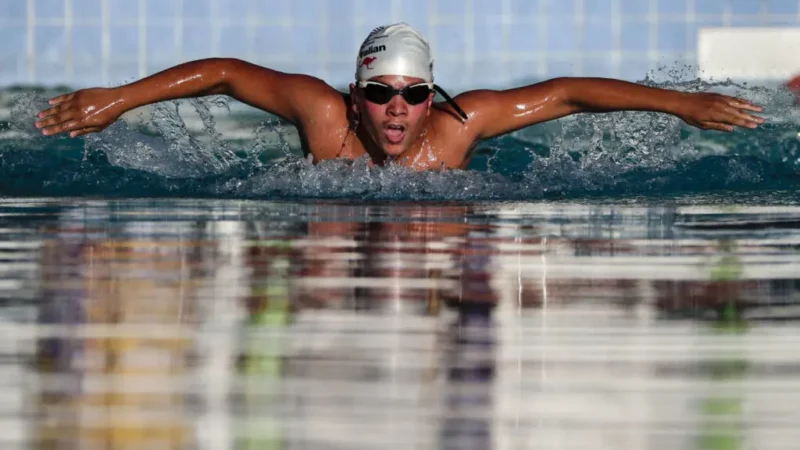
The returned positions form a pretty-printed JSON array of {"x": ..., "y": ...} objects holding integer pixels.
[{"x": 395, "y": 133}]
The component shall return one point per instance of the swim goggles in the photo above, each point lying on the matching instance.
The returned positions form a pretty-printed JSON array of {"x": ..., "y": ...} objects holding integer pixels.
[{"x": 381, "y": 94}]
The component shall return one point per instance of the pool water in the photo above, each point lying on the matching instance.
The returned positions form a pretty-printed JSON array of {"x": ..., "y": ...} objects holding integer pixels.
[
  {"x": 614, "y": 281},
  {"x": 216, "y": 324}
]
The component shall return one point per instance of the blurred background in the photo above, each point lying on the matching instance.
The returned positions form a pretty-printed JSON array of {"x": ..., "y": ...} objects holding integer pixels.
[{"x": 486, "y": 43}]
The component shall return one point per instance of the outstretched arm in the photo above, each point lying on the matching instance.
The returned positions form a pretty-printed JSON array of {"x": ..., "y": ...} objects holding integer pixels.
[
  {"x": 498, "y": 112},
  {"x": 293, "y": 97}
]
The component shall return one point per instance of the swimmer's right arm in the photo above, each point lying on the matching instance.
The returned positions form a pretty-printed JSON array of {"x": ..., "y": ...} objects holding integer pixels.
[{"x": 290, "y": 96}]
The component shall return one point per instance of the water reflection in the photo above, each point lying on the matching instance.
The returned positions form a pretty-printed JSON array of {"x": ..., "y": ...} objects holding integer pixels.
[
  {"x": 212, "y": 325},
  {"x": 116, "y": 309}
]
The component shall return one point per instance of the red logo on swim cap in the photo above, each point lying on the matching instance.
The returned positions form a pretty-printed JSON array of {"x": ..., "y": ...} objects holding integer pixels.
[{"x": 368, "y": 62}]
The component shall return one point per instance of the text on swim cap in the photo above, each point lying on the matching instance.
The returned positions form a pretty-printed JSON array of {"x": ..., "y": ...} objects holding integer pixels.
[{"x": 371, "y": 50}]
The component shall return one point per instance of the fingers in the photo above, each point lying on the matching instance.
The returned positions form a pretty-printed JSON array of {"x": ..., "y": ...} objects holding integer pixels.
[
  {"x": 723, "y": 113},
  {"x": 83, "y": 131},
  {"x": 54, "y": 110},
  {"x": 734, "y": 111},
  {"x": 60, "y": 112},
  {"x": 56, "y": 119},
  {"x": 733, "y": 116},
  {"x": 744, "y": 104},
  {"x": 71, "y": 125},
  {"x": 51, "y": 124},
  {"x": 747, "y": 121},
  {"x": 718, "y": 126},
  {"x": 61, "y": 98},
  {"x": 743, "y": 119}
]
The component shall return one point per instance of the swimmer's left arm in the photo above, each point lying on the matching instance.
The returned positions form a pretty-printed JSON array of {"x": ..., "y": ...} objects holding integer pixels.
[{"x": 493, "y": 113}]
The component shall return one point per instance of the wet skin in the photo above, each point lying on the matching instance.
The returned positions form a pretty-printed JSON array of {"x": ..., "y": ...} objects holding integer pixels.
[{"x": 425, "y": 136}]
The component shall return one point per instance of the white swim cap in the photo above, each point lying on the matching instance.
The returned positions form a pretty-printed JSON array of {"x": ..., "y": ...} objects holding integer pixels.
[{"x": 396, "y": 49}]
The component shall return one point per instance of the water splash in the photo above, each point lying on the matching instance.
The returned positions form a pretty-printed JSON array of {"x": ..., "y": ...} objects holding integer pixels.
[
  {"x": 170, "y": 149},
  {"x": 299, "y": 178},
  {"x": 600, "y": 152},
  {"x": 615, "y": 154}
]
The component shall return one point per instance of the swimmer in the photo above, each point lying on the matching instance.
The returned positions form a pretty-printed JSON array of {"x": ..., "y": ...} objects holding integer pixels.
[{"x": 389, "y": 112}]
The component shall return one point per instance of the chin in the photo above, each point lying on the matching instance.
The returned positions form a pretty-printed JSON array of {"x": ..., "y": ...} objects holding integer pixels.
[{"x": 393, "y": 149}]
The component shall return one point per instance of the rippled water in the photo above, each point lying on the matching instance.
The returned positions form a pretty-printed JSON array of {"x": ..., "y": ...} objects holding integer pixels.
[
  {"x": 219, "y": 324},
  {"x": 186, "y": 280},
  {"x": 204, "y": 148}
]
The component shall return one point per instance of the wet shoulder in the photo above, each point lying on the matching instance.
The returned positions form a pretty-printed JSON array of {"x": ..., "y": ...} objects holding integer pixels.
[
  {"x": 451, "y": 138},
  {"x": 448, "y": 122},
  {"x": 325, "y": 134},
  {"x": 326, "y": 107},
  {"x": 472, "y": 103}
]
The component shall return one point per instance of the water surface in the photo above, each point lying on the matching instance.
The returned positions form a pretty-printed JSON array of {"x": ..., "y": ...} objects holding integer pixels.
[
  {"x": 187, "y": 280},
  {"x": 221, "y": 324}
]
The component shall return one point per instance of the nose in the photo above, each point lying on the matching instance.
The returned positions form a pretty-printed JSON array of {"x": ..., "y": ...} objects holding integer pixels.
[{"x": 397, "y": 106}]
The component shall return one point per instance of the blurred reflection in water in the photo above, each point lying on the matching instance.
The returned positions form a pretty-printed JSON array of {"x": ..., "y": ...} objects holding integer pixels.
[
  {"x": 218, "y": 325},
  {"x": 120, "y": 308}
]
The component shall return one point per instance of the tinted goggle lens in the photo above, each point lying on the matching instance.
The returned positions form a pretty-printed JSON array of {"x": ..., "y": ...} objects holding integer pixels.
[{"x": 381, "y": 94}]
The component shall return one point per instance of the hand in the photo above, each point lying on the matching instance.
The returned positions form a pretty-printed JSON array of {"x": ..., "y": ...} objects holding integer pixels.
[
  {"x": 82, "y": 112},
  {"x": 718, "y": 112}
]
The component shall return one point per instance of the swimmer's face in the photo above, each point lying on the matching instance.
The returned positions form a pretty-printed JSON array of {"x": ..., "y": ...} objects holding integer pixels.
[{"x": 394, "y": 126}]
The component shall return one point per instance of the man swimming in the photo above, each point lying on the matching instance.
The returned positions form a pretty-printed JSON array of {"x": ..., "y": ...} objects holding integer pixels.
[{"x": 389, "y": 113}]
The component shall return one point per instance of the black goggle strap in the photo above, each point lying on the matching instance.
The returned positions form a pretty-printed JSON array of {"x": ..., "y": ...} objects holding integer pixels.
[{"x": 451, "y": 102}]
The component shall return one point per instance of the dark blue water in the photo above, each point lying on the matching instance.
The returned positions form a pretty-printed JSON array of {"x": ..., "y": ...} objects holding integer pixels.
[{"x": 206, "y": 150}]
